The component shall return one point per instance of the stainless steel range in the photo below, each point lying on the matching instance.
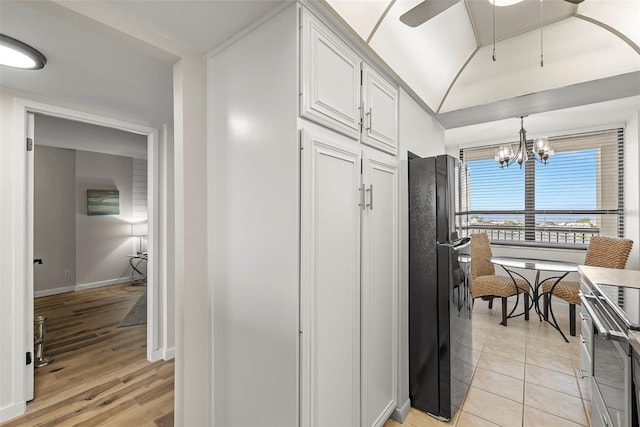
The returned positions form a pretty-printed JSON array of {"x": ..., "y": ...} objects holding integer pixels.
[{"x": 609, "y": 312}]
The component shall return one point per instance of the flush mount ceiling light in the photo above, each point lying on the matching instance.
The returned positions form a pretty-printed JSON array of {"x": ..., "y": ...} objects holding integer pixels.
[
  {"x": 16, "y": 54},
  {"x": 542, "y": 150}
]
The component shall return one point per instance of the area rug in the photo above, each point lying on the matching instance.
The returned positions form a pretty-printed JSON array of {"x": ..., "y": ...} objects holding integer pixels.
[{"x": 138, "y": 313}]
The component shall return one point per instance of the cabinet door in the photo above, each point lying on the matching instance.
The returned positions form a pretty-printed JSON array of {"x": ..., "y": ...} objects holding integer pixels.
[
  {"x": 380, "y": 123},
  {"x": 330, "y": 279},
  {"x": 330, "y": 76},
  {"x": 379, "y": 290}
]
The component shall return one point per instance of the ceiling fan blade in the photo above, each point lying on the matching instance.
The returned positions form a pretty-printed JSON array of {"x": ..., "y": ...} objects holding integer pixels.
[
  {"x": 574, "y": 1},
  {"x": 426, "y": 10}
]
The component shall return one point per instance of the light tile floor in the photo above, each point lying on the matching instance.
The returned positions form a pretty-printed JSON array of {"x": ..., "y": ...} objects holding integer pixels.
[{"x": 525, "y": 374}]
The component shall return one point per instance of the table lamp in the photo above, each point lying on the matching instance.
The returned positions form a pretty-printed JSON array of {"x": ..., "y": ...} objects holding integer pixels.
[{"x": 140, "y": 230}]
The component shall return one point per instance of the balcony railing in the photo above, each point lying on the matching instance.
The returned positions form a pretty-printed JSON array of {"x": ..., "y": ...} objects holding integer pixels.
[{"x": 543, "y": 234}]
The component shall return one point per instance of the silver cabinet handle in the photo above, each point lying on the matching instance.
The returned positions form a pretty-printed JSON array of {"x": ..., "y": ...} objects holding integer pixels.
[
  {"x": 370, "y": 191},
  {"x": 594, "y": 318},
  {"x": 370, "y": 118}
]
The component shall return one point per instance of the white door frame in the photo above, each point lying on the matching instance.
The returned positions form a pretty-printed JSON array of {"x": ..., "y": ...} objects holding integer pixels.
[{"x": 23, "y": 284}]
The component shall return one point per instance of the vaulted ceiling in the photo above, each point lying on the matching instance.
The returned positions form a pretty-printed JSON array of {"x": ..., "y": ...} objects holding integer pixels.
[{"x": 448, "y": 60}]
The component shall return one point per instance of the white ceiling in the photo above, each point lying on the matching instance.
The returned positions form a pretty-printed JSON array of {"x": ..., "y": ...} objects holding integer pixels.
[
  {"x": 85, "y": 67},
  {"x": 589, "y": 57},
  {"x": 200, "y": 25},
  {"x": 448, "y": 61},
  {"x": 516, "y": 19},
  {"x": 93, "y": 65}
]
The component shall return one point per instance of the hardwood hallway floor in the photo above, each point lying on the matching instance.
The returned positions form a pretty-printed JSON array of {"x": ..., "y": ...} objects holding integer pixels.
[{"x": 100, "y": 375}]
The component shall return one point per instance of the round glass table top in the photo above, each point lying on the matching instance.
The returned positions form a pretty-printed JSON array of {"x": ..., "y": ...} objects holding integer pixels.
[{"x": 534, "y": 264}]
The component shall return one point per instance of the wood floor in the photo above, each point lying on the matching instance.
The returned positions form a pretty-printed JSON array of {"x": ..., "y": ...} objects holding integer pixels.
[{"x": 100, "y": 375}]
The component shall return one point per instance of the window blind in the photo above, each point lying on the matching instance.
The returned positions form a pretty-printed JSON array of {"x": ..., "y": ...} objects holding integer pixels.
[
  {"x": 140, "y": 212},
  {"x": 576, "y": 195}
]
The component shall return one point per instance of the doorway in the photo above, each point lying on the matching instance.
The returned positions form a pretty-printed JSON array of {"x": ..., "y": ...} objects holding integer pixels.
[{"x": 24, "y": 120}]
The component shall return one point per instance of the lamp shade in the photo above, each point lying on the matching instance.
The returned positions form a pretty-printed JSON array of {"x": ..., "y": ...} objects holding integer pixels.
[{"x": 140, "y": 229}]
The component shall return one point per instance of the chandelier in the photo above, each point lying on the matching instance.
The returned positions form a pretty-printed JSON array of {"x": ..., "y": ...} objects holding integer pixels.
[{"x": 542, "y": 150}]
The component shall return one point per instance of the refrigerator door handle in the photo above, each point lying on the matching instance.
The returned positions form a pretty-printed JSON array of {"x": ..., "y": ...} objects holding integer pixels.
[{"x": 370, "y": 191}]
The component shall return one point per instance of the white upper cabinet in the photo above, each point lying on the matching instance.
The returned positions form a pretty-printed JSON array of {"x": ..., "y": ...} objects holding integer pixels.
[
  {"x": 380, "y": 100},
  {"x": 330, "y": 78},
  {"x": 340, "y": 91}
]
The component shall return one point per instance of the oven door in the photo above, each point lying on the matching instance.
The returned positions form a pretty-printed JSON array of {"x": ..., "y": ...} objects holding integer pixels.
[
  {"x": 612, "y": 377},
  {"x": 611, "y": 366}
]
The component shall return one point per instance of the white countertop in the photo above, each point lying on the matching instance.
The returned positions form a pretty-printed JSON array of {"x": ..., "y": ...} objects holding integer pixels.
[{"x": 611, "y": 276}]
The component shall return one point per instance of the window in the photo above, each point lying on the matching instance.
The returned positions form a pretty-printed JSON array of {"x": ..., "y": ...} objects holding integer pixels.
[{"x": 578, "y": 194}]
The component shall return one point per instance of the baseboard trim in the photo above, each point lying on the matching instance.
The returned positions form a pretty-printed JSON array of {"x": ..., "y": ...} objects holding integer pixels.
[
  {"x": 169, "y": 353},
  {"x": 80, "y": 287},
  {"x": 154, "y": 356},
  {"x": 102, "y": 283},
  {"x": 12, "y": 411},
  {"x": 400, "y": 413},
  {"x": 54, "y": 291}
]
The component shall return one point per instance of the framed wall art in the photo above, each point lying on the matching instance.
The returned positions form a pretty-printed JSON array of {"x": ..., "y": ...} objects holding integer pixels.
[{"x": 103, "y": 202}]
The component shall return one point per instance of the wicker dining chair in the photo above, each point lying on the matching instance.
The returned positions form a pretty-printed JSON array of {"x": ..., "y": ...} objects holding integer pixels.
[
  {"x": 486, "y": 284},
  {"x": 602, "y": 252}
]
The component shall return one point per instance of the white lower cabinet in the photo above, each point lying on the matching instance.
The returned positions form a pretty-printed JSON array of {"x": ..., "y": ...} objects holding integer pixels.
[
  {"x": 330, "y": 289},
  {"x": 348, "y": 282},
  {"x": 379, "y": 290}
]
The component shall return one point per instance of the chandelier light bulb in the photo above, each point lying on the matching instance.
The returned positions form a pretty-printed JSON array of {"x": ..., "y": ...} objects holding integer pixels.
[{"x": 541, "y": 150}]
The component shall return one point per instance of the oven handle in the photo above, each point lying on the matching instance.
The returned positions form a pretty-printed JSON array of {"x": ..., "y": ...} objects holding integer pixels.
[{"x": 596, "y": 320}]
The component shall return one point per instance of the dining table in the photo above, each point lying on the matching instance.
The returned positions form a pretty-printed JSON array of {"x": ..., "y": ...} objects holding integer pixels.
[{"x": 558, "y": 269}]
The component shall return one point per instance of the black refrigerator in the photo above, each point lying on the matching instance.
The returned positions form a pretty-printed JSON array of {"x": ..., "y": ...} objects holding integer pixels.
[{"x": 440, "y": 336}]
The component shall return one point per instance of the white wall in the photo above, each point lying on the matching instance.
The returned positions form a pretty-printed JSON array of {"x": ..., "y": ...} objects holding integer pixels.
[
  {"x": 420, "y": 134},
  {"x": 103, "y": 241},
  {"x": 11, "y": 403},
  {"x": 54, "y": 218},
  {"x": 193, "y": 300},
  {"x": 632, "y": 187},
  {"x": 254, "y": 185}
]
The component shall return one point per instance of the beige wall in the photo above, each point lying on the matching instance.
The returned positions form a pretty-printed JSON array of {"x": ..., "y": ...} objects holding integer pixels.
[
  {"x": 62, "y": 177},
  {"x": 54, "y": 219},
  {"x": 103, "y": 241},
  {"x": 55, "y": 200}
]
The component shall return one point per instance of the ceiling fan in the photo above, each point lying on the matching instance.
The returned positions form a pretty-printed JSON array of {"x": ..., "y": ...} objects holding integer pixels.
[{"x": 426, "y": 10}]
